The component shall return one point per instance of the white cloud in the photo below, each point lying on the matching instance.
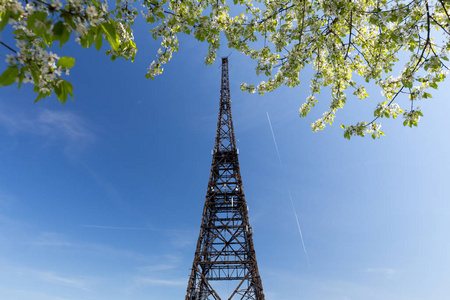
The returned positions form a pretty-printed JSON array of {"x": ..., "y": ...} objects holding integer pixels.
[
  {"x": 9, "y": 293},
  {"x": 54, "y": 278},
  {"x": 156, "y": 281},
  {"x": 30, "y": 274},
  {"x": 159, "y": 267},
  {"x": 386, "y": 272},
  {"x": 55, "y": 126},
  {"x": 48, "y": 239},
  {"x": 164, "y": 262}
]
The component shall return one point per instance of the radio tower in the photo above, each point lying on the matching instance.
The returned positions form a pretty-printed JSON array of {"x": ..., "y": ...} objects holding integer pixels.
[{"x": 225, "y": 248}]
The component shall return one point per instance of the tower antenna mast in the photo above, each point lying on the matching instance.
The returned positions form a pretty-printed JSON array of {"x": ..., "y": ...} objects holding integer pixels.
[{"x": 225, "y": 249}]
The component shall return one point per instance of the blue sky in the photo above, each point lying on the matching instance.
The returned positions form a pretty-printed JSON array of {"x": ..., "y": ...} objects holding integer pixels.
[{"x": 102, "y": 198}]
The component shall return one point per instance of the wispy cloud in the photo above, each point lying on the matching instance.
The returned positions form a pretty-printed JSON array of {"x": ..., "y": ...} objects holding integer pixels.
[
  {"x": 325, "y": 287},
  {"x": 157, "y": 281},
  {"x": 28, "y": 294},
  {"x": 46, "y": 276},
  {"x": 109, "y": 189},
  {"x": 58, "y": 279},
  {"x": 135, "y": 228},
  {"x": 159, "y": 267},
  {"x": 55, "y": 126},
  {"x": 386, "y": 272},
  {"x": 163, "y": 264},
  {"x": 178, "y": 238},
  {"x": 49, "y": 239}
]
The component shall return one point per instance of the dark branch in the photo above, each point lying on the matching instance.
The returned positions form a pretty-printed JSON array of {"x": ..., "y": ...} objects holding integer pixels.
[{"x": 9, "y": 47}]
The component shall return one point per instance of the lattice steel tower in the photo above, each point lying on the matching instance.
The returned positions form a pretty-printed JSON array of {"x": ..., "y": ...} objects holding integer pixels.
[{"x": 225, "y": 248}]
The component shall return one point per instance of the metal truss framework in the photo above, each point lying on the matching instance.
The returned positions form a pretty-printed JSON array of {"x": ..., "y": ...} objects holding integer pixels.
[{"x": 225, "y": 248}]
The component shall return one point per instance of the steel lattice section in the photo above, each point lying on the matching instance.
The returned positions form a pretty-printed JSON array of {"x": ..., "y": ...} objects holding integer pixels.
[{"x": 225, "y": 250}]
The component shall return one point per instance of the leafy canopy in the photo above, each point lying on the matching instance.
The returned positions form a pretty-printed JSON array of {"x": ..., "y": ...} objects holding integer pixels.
[{"x": 347, "y": 43}]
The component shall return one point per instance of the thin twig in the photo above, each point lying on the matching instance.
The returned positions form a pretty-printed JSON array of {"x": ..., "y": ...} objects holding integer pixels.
[{"x": 9, "y": 47}]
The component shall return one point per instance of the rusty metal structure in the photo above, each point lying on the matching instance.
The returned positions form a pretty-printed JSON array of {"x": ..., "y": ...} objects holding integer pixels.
[{"x": 225, "y": 250}]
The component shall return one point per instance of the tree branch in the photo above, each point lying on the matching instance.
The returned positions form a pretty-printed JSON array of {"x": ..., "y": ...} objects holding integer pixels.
[
  {"x": 350, "y": 35},
  {"x": 9, "y": 47}
]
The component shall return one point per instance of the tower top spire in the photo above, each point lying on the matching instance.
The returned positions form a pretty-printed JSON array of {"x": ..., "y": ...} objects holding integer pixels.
[{"x": 225, "y": 140}]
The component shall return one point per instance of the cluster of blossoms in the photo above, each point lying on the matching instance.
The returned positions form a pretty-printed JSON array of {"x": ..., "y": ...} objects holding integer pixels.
[
  {"x": 306, "y": 107},
  {"x": 318, "y": 125},
  {"x": 266, "y": 60},
  {"x": 292, "y": 81},
  {"x": 374, "y": 127},
  {"x": 355, "y": 130},
  {"x": 86, "y": 15},
  {"x": 361, "y": 128},
  {"x": 412, "y": 117},
  {"x": 46, "y": 62},
  {"x": 154, "y": 70},
  {"x": 390, "y": 86},
  {"x": 32, "y": 50},
  {"x": 248, "y": 88},
  {"x": 387, "y": 110},
  {"x": 184, "y": 17},
  {"x": 170, "y": 45},
  {"x": 127, "y": 48},
  {"x": 268, "y": 86},
  {"x": 328, "y": 117},
  {"x": 14, "y": 6},
  {"x": 361, "y": 92}
]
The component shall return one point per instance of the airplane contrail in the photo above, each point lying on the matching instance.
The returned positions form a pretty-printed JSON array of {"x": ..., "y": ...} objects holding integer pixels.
[
  {"x": 274, "y": 140},
  {"x": 299, "y": 229},
  {"x": 290, "y": 196}
]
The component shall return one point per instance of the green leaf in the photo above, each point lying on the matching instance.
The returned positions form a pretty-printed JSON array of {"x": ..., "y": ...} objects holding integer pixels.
[
  {"x": 5, "y": 17},
  {"x": 98, "y": 41},
  {"x": 87, "y": 40},
  {"x": 59, "y": 92},
  {"x": 407, "y": 83},
  {"x": 161, "y": 15},
  {"x": 60, "y": 33},
  {"x": 62, "y": 90},
  {"x": 58, "y": 29},
  {"x": 66, "y": 62},
  {"x": 69, "y": 88},
  {"x": 21, "y": 77},
  {"x": 110, "y": 29},
  {"x": 69, "y": 21},
  {"x": 37, "y": 22},
  {"x": 9, "y": 76},
  {"x": 39, "y": 97}
]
